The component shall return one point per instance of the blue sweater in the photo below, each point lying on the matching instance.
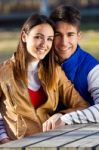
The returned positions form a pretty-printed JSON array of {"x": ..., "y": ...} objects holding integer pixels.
[{"x": 77, "y": 68}]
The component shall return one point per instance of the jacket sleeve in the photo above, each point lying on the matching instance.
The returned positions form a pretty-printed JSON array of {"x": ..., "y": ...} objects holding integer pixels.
[{"x": 69, "y": 96}]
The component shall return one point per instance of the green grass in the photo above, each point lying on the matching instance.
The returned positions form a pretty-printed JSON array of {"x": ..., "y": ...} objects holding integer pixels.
[
  {"x": 90, "y": 42},
  {"x": 9, "y": 41}
]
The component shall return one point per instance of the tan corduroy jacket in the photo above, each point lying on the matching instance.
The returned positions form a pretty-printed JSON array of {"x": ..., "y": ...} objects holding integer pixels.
[{"x": 20, "y": 117}]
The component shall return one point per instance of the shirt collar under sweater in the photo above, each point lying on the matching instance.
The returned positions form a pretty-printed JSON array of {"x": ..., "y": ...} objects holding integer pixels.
[{"x": 33, "y": 80}]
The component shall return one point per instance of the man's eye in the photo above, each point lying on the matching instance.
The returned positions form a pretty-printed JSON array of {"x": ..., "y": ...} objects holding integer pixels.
[{"x": 72, "y": 34}]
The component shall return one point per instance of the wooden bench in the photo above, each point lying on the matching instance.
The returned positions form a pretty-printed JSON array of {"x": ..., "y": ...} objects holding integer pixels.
[{"x": 69, "y": 137}]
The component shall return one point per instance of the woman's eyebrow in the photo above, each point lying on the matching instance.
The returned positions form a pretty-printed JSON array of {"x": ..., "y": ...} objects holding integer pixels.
[{"x": 44, "y": 35}]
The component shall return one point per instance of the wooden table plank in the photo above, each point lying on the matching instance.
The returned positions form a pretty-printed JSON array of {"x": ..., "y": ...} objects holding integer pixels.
[
  {"x": 65, "y": 138},
  {"x": 39, "y": 137},
  {"x": 90, "y": 142}
]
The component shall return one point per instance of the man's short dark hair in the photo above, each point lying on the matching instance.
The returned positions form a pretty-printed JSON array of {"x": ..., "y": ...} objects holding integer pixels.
[{"x": 68, "y": 14}]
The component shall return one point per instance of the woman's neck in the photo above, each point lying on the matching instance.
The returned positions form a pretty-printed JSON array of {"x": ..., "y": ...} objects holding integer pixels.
[{"x": 33, "y": 65}]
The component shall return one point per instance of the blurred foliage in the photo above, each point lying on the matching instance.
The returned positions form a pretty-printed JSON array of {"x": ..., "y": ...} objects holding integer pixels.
[
  {"x": 89, "y": 26},
  {"x": 8, "y": 6}
]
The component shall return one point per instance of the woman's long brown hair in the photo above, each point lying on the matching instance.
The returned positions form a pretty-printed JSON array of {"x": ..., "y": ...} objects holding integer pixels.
[{"x": 48, "y": 63}]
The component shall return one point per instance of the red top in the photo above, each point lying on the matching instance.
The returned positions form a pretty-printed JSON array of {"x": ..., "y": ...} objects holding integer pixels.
[{"x": 37, "y": 97}]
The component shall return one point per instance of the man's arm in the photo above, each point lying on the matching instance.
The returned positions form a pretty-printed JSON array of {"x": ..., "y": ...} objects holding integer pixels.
[
  {"x": 93, "y": 83},
  {"x": 90, "y": 114}
]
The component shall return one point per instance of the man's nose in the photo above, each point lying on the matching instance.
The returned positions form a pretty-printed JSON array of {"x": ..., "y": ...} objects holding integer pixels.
[{"x": 64, "y": 40}]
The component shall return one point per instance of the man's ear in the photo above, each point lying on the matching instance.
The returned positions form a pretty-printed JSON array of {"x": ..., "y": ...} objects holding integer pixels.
[
  {"x": 23, "y": 36},
  {"x": 79, "y": 35}
]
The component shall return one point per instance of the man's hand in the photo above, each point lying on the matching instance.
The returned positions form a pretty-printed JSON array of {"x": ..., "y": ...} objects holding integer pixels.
[{"x": 53, "y": 122}]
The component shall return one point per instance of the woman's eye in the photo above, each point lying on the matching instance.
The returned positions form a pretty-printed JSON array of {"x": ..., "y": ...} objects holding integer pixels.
[
  {"x": 50, "y": 39},
  {"x": 38, "y": 37}
]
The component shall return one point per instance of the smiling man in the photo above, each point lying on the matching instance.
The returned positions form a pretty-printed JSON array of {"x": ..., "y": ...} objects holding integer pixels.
[{"x": 79, "y": 66}]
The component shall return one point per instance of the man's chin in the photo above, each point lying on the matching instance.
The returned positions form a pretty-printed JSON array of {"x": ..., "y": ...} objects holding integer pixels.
[{"x": 64, "y": 57}]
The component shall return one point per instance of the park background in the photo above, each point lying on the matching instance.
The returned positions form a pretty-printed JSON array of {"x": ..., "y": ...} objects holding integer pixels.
[{"x": 13, "y": 13}]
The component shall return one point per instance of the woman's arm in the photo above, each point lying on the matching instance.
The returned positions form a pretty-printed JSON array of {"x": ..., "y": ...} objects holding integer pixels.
[{"x": 70, "y": 98}]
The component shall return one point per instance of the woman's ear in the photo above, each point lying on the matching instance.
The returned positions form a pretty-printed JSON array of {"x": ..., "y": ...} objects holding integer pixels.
[{"x": 23, "y": 36}]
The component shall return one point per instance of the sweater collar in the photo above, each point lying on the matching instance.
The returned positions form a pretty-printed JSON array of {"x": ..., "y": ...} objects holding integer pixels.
[
  {"x": 70, "y": 65},
  {"x": 33, "y": 80},
  {"x": 33, "y": 66},
  {"x": 73, "y": 60}
]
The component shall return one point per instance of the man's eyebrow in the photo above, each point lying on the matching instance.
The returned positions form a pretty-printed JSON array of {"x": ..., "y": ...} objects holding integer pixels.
[{"x": 71, "y": 33}]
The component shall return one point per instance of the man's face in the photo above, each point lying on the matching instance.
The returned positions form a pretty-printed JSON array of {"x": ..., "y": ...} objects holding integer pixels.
[{"x": 66, "y": 40}]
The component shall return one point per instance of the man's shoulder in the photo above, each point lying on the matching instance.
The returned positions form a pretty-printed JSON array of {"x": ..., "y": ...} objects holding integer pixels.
[{"x": 89, "y": 56}]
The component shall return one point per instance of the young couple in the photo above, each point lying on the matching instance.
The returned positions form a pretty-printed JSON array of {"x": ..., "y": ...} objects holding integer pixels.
[{"x": 35, "y": 94}]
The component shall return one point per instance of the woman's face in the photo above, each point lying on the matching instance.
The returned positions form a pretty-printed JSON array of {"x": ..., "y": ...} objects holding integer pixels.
[{"x": 39, "y": 41}]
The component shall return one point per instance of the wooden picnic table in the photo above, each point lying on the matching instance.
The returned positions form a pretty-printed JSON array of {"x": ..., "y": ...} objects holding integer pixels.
[{"x": 69, "y": 137}]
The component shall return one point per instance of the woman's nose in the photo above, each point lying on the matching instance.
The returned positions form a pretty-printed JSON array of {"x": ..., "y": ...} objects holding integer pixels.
[{"x": 43, "y": 41}]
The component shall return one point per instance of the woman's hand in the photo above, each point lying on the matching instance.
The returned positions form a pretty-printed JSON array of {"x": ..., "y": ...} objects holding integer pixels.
[{"x": 53, "y": 122}]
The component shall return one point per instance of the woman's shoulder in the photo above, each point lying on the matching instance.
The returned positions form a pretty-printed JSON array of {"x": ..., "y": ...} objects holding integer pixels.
[
  {"x": 5, "y": 64},
  {"x": 6, "y": 67}
]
